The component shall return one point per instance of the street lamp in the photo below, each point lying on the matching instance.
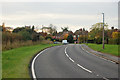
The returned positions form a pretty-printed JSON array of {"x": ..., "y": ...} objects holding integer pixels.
[{"x": 103, "y": 31}]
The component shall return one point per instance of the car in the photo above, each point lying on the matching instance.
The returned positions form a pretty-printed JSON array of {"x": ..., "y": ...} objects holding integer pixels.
[
  {"x": 64, "y": 42},
  {"x": 57, "y": 42}
]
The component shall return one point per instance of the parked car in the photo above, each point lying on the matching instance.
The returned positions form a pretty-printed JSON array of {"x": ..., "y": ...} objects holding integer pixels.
[
  {"x": 56, "y": 42},
  {"x": 64, "y": 42}
]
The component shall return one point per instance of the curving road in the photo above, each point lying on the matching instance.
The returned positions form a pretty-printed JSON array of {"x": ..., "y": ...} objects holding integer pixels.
[{"x": 71, "y": 61}]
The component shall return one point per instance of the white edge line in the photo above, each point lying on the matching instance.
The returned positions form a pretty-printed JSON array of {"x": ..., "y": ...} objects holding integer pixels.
[
  {"x": 33, "y": 71},
  {"x": 33, "y": 62}
]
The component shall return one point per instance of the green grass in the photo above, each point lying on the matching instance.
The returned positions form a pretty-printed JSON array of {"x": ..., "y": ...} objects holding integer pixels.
[
  {"x": 15, "y": 62},
  {"x": 110, "y": 49}
]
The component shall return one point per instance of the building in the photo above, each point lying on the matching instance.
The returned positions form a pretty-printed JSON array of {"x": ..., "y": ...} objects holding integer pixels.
[
  {"x": 43, "y": 34},
  {"x": 60, "y": 35},
  {"x": 38, "y": 30},
  {"x": 46, "y": 30},
  {"x": 8, "y": 29}
]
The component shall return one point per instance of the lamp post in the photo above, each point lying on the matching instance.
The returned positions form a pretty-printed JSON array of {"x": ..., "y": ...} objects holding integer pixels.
[{"x": 103, "y": 31}]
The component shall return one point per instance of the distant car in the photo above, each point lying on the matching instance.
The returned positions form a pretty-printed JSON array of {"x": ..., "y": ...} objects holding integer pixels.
[
  {"x": 64, "y": 42},
  {"x": 57, "y": 42}
]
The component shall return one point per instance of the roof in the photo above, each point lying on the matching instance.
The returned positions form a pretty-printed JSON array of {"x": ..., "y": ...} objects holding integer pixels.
[
  {"x": 8, "y": 28},
  {"x": 45, "y": 27}
]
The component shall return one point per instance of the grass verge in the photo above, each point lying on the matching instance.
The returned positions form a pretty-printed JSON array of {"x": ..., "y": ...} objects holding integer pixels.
[
  {"x": 15, "y": 62},
  {"x": 110, "y": 49}
]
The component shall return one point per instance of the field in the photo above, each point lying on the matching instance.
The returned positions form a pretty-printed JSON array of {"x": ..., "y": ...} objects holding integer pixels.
[
  {"x": 15, "y": 62},
  {"x": 110, "y": 49}
]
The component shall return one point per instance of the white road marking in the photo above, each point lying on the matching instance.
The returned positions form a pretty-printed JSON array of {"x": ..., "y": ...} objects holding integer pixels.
[
  {"x": 80, "y": 65},
  {"x": 105, "y": 78},
  {"x": 65, "y": 50},
  {"x": 76, "y": 63},
  {"x": 84, "y": 68},
  {"x": 67, "y": 55},
  {"x": 33, "y": 62},
  {"x": 98, "y": 57},
  {"x": 71, "y": 59}
]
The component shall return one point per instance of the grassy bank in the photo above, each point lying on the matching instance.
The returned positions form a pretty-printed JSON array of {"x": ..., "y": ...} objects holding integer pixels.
[
  {"x": 15, "y": 62},
  {"x": 17, "y": 44},
  {"x": 110, "y": 49}
]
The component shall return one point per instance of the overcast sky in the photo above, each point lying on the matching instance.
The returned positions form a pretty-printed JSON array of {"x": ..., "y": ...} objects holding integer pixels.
[{"x": 75, "y": 15}]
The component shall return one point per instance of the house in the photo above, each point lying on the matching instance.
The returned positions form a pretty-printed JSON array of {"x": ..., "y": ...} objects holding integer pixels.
[
  {"x": 38, "y": 30},
  {"x": 80, "y": 32},
  {"x": 8, "y": 29},
  {"x": 60, "y": 35},
  {"x": 43, "y": 34},
  {"x": 46, "y": 30}
]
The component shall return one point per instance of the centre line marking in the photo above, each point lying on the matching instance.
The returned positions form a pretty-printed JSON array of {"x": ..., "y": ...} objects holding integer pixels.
[
  {"x": 71, "y": 59},
  {"x": 76, "y": 63},
  {"x": 84, "y": 68},
  {"x": 67, "y": 55}
]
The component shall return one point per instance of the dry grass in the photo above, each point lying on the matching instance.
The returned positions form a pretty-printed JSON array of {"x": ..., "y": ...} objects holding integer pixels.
[{"x": 17, "y": 44}]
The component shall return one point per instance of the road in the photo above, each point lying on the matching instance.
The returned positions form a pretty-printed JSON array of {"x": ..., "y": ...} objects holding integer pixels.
[{"x": 71, "y": 61}]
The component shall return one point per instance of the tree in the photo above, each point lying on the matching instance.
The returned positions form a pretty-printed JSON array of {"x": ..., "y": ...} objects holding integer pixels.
[
  {"x": 81, "y": 38},
  {"x": 33, "y": 28},
  {"x": 26, "y": 35},
  {"x": 115, "y": 38},
  {"x": 48, "y": 37},
  {"x": 65, "y": 36},
  {"x": 41, "y": 38},
  {"x": 64, "y": 29},
  {"x": 70, "y": 39},
  {"x": 16, "y": 30},
  {"x": 52, "y": 30},
  {"x": 96, "y": 32},
  {"x": 115, "y": 35}
]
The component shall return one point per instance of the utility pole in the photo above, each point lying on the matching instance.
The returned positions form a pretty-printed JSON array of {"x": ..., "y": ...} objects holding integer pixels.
[{"x": 103, "y": 31}]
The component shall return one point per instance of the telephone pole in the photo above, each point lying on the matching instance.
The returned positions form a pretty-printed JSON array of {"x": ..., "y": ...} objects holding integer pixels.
[{"x": 103, "y": 31}]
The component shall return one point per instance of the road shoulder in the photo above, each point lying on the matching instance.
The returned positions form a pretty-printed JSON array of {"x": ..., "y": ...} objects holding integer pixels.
[{"x": 111, "y": 58}]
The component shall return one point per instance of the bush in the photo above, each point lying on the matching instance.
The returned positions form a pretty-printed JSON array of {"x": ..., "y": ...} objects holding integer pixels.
[
  {"x": 16, "y": 44},
  {"x": 114, "y": 41},
  {"x": 41, "y": 38},
  {"x": 99, "y": 41},
  {"x": 6, "y": 37},
  {"x": 35, "y": 37},
  {"x": 26, "y": 35}
]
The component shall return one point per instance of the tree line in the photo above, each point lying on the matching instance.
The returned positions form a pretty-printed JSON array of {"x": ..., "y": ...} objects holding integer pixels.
[
  {"x": 28, "y": 35},
  {"x": 21, "y": 36},
  {"x": 112, "y": 36}
]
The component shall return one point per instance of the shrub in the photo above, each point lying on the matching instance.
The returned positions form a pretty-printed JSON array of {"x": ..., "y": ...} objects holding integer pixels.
[
  {"x": 41, "y": 38},
  {"x": 26, "y": 35},
  {"x": 6, "y": 37}
]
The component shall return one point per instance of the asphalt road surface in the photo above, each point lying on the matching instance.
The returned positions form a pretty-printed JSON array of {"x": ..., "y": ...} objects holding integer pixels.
[{"x": 71, "y": 61}]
